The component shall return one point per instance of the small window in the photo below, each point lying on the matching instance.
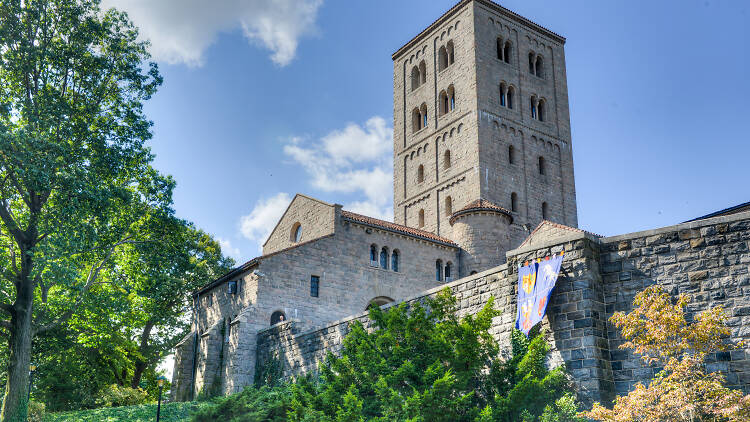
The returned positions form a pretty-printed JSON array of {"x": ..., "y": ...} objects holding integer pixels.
[
  {"x": 509, "y": 96},
  {"x": 541, "y": 110},
  {"x": 511, "y": 155},
  {"x": 448, "y": 272},
  {"x": 500, "y": 45},
  {"x": 448, "y": 206},
  {"x": 545, "y": 211},
  {"x": 506, "y": 52},
  {"x": 373, "y": 253},
  {"x": 384, "y": 258},
  {"x": 415, "y": 78},
  {"x": 314, "y": 285},
  {"x": 420, "y": 174},
  {"x": 444, "y": 104},
  {"x": 422, "y": 73},
  {"x": 442, "y": 58},
  {"x": 421, "y": 218},
  {"x": 531, "y": 63},
  {"x": 232, "y": 287},
  {"x": 296, "y": 233},
  {"x": 514, "y": 202},
  {"x": 503, "y": 95},
  {"x": 447, "y": 159},
  {"x": 277, "y": 317},
  {"x": 541, "y": 165},
  {"x": 438, "y": 270},
  {"x": 538, "y": 67},
  {"x": 452, "y": 98},
  {"x": 394, "y": 260},
  {"x": 451, "y": 55},
  {"x": 533, "y": 102}
]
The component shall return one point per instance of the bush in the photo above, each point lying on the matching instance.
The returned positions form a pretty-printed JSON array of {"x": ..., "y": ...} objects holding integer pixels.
[
  {"x": 36, "y": 411},
  {"x": 116, "y": 395}
]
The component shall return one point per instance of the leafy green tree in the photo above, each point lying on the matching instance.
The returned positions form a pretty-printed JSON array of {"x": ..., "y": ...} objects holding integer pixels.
[{"x": 75, "y": 177}]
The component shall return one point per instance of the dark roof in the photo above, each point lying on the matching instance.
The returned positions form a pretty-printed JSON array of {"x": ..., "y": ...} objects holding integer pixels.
[
  {"x": 481, "y": 205},
  {"x": 726, "y": 211},
  {"x": 489, "y": 3},
  {"x": 387, "y": 225}
]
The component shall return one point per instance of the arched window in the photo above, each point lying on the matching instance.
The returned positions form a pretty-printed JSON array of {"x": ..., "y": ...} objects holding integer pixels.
[
  {"x": 449, "y": 271},
  {"x": 514, "y": 202},
  {"x": 444, "y": 104},
  {"x": 451, "y": 98},
  {"x": 416, "y": 120},
  {"x": 448, "y": 205},
  {"x": 451, "y": 55},
  {"x": 531, "y": 63},
  {"x": 415, "y": 78},
  {"x": 422, "y": 72},
  {"x": 423, "y": 113},
  {"x": 421, "y": 218},
  {"x": 394, "y": 260},
  {"x": 472, "y": 273},
  {"x": 538, "y": 66},
  {"x": 373, "y": 253},
  {"x": 379, "y": 301},
  {"x": 511, "y": 92},
  {"x": 438, "y": 270},
  {"x": 384, "y": 258},
  {"x": 447, "y": 159},
  {"x": 500, "y": 48},
  {"x": 420, "y": 174},
  {"x": 541, "y": 110},
  {"x": 277, "y": 317},
  {"x": 533, "y": 101},
  {"x": 442, "y": 58},
  {"x": 541, "y": 165},
  {"x": 507, "y": 51},
  {"x": 503, "y": 94},
  {"x": 511, "y": 155},
  {"x": 296, "y": 234},
  {"x": 545, "y": 211}
]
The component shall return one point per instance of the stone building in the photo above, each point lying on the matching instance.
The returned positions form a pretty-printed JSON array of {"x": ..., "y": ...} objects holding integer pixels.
[{"x": 483, "y": 179}]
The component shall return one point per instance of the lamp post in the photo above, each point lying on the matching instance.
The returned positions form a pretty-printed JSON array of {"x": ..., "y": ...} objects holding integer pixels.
[
  {"x": 32, "y": 368},
  {"x": 160, "y": 381}
]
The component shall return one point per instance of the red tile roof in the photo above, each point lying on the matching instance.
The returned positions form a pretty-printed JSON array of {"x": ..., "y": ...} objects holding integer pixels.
[
  {"x": 480, "y": 205},
  {"x": 409, "y": 231}
]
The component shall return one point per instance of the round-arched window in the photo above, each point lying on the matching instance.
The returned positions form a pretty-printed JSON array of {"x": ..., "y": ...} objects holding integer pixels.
[
  {"x": 296, "y": 234},
  {"x": 277, "y": 317}
]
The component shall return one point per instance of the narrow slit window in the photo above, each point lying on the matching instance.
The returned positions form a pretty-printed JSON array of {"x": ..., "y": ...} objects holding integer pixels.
[{"x": 314, "y": 285}]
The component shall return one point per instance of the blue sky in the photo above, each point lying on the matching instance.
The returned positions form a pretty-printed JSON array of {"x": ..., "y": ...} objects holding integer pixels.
[{"x": 258, "y": 94}]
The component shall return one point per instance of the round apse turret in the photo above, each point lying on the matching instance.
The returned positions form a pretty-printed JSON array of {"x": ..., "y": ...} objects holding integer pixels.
[{"x": 482, "y": 230}]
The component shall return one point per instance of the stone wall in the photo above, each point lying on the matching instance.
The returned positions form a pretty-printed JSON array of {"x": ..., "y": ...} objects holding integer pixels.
[{"x": 314, "y": 216}]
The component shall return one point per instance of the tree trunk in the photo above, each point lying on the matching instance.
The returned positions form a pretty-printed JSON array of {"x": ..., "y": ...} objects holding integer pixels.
[
  {"x": 141, "y": 364},
  {"x": 15, "y": 404}
]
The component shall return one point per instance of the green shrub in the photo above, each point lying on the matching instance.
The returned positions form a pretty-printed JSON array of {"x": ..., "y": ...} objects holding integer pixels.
[
  {"x": 36, "y": 411},
  {"x": 116, "y": 395}
]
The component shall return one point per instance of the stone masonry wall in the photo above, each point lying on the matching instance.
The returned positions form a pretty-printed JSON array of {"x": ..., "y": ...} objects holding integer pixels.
[{"x": 316, "y": 218}]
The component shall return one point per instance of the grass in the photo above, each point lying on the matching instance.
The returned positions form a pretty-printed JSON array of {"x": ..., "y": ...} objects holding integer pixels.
[{"x": 170, "y": 412}]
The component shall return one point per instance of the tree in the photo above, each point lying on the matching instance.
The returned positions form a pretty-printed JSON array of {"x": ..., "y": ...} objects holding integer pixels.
[
  {"x": 660, "y": 332},
  {"x": 75, "y": 176}
]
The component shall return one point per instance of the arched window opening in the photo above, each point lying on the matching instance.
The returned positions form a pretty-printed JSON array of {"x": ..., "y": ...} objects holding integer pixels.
[
  {"x": 394, "y": 260},
  {"x": 514, "y": 202},
  {"x": 422, "y": 73},
  {"x": 379, "y": 301},
  {"x": 448, "y": 272},
  {"x": 420, "y": 174},
  {"x": 423, "y": 113},
  {"x": 545, "y": 211},
  {"x": 451, "y": 56},
  {"x": 384, "y": 258},
  {"x": 444, "y": 104},
  {"x": 447, "y": 159},
  {"x": 416, "y": 120},
  {"x": 373, "y": 254},
  {"x": 538, "y": 66},
  {"x": 511, "y": 92},
  {"x": 415, "y": 78},
  {"x": 500, "y": 48},
  {"x": 541, "y": 110},
  {"x": 277, "y": 317},
  {"x": 296, "y": 234},
  {"x": 511, "y": 155},
  {"x": 452, "y": 98},
  {"x": 448, "y": 205},
  {"x": 541, "y": 165},
  {"x": 442, "y": 58},
  {"x": 472, "y": 273},
  {"x": 421, "y": 218},
  {"x": 531, "y": 63},
  {"x": 438, "y": 270},
  {"x": 503, "y": 95},
  {"x": 534, "y": 102},
  {"x": 506, "y": 52}
]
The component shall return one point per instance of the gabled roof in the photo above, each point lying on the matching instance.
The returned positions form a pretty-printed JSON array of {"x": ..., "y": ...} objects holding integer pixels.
[
  {"x": 546, "y": 224},
  {"x": 398, "y": 228},
  {"x": 726, "y": 211},
  {"x": 481, "y": 205}
]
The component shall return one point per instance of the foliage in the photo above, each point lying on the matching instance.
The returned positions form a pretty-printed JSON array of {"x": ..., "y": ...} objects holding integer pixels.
[
  {"x": 416, "y": 363},
  {"x": 37, "y": 411},
  {"x": 115, "y": 395},
  {"x": 170, "y": 412},
  {"x": 660, "y": 332}
]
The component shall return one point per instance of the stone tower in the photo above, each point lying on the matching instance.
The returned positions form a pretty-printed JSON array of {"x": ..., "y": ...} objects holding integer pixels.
[{"x": 482, "y": 144}]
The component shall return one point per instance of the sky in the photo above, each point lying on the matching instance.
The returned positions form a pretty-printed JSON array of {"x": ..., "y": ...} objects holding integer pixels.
[{"x": 259, "y": 96}]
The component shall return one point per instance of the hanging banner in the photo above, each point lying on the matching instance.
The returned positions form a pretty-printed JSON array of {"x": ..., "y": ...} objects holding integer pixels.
[{"x": 535, "y": 284}]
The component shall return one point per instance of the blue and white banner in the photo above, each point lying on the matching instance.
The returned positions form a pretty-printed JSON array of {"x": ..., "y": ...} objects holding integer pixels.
[{"x": 535, "y": 284}]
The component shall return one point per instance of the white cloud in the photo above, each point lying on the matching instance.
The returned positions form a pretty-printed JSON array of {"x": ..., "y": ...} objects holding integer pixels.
[
  {"x": 228, "y": 249},
  {"x": 352, "y": 160},
  {"x": 257, "y": 225},
  {"x": 181, "y": 30}
]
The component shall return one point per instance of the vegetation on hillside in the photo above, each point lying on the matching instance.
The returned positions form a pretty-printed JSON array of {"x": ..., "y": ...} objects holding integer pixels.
[
  {"x": 170, "y": 412},
  {"x": 419, "y": 363}
]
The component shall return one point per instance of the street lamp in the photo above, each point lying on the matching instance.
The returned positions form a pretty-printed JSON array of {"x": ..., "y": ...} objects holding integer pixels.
[
  {"x": 159, "y": 381},
  {"x": 32, "y": 368}
]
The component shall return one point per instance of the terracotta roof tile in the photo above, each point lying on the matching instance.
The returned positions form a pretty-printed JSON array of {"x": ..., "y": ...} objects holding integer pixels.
[{"x": 396, "y": 227}]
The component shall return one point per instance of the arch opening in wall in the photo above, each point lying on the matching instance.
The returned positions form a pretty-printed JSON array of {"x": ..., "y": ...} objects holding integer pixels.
[
  {"x": 503, "y": 94},
  {"x": 542, "y": 165},
  {"x": 499, "y": 46},
  {"x": 507, "y": 48},
  {"x": 277, "y": 317},
  {"x": 451, "y": 53},
  {"x": 448, "y": 272},
  {"x": 379, "y": 301},
  {"x": 545, "y": 211},
  {"x": 510, "y": 96},
  {"x": 374, "y": 254},
  {"x": 448, "y": 205},
  {"x": 444, "y": 104},
  {"x": 541, "y": 110},
  {"x": 533, "y": 102},
  {"x": 420, "y": 174},
  {"x": 438, "y": 270},
  {"x": 416, "y": 120},
  {"x": 415, "y": 78},
  {"x": 538, "y": 67},
  {"x": 295, "y": 235},
  {"x": 511, "y": 155},
  {"x": 447, "y": 159},
  {"x": 442, "y": 58},
  {"x": 514, "y": 202},
  {"x": 422, "y": 73},
  {"x": 531, "y": 63},
  {"x": 421, "y": 218},
  {"x": 384, "y": 258},
  {"x": 451, "y": 98},
  {"x": 395, "y": 260}
]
